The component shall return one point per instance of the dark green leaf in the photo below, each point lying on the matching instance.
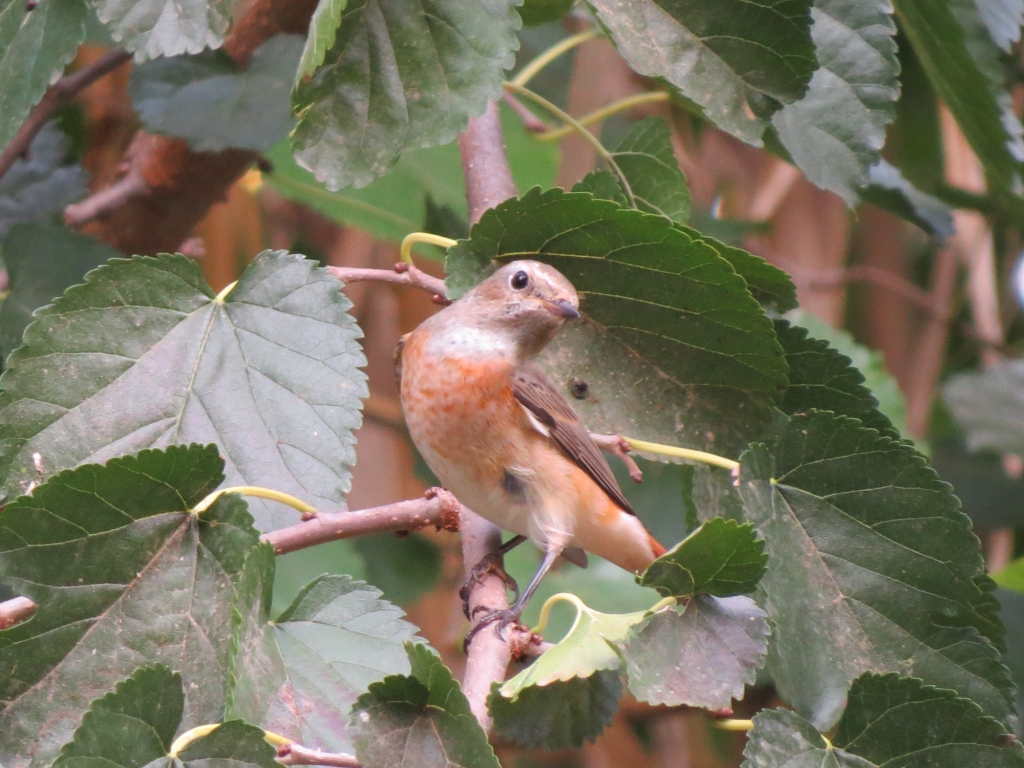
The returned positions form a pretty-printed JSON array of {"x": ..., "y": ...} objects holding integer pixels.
[
  {"x": 234, "y": 743},
  {"x": 394, "y": 205},
  {"x": 670, "y": 299},
  {"x": 1011, "y": 611},
  {"x": 421, "y": 719},
  {"x": 534, "y": 12},
  {"x": 300, "y": 674},
  {"x": 144, "y": 355},
  {"x": 991, "y": 498},
  {"x": 131, "y": 726},
  {"x": 890, "y": 191},
  {"x": 402, "y": 74},
  {"x": 783, "y": 739},
  {"x": 323, "y": 30},
  {"x": 40, "y": 184},
  {"x": 403, "y": 568},
  {"x": 123, "y": 574},
  {"x": 872, "y": 567},
  {"x": 962, "y": 64},
  {"x": 562, "y": 715},
  {"x": 42, "y": 260},
  {"x": 645, "y": 157},
  {"x": 834, "y": 133},
  {"x": 823, "y": 378},
  {"x": 899, "y": 722},
  {"x": 988, "y": 405},
  {"x": 35, "y": 46},
  {"x": 213, "y": 104},
  {"x": 154, "y": 28},
  {"x": 737, "y": 61},
  {"x": 701, "y": 655},
  {"x": 721, "y": 558}
]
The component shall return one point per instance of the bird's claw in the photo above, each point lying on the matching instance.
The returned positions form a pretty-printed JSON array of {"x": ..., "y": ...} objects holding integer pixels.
[
  {"x": 488, "y": 564},
  {"x": 502, "y": 618}
]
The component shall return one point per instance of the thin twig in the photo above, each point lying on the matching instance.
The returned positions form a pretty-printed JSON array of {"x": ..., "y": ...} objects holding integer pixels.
[
  {"x": 617, "y": 445},
  {"x": 296, "y": 754},
  {"x": 531, "y": 122},
  {"x": 131, "y": 185},
  {"x": 402, "y": 274},
  {"x": 869, "y": 273},
  {"x": 56, "y": 96},
  {"x": 15, "y": 611},
  {"x": 437, "y": 508}
]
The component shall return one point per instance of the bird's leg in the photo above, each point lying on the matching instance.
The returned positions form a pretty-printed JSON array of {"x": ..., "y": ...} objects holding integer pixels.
[
  {"x": 511, "y": 614},
  {"x": 491, "y": 563}
]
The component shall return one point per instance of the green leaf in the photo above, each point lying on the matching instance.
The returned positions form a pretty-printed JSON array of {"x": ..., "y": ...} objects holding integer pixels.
[
  {"x": 154, "y": 28},
  {"x": 402, "y": 74},
  {"x": 323, "y": 30},
  {"x": 42, "y": 260},
  {"x": 1012, "y": 576},
  {"x": 403, "y": 568},
  {"x": 147, "y": 356},
  {"x": 737, "y": 61},
  {"x": 890, "y": 191},
  {"x": 132, "y": 725},
  {"x": 570, "y": 693},
  {"x": 300, "y": 674},
  {"x": 562, "y": 715},
  {"x": 822, "y": 377},
  {"x": 395, "y": 204},
  {"x": 40, "y": 184},
  {"x": 213, "y": 104},
  {"x": 990, "y": 497},
  {"x": 872, "y": 567},
  {"x": 234, "y": 743},
  {"x": 783, "y": 739},
  {"x": 835, "y": 132},
  {"x": 721, "y": 558},
  {"x": 899, "y": 721},
  {"x": 876, "y": 378},
  {"x": 669, "y": 299},
  {"x": 123, "y": 575},
  {"x": 35, "y": 46},
  {"x": 963, "y": 66},
  {"x": 646, "y": 159},
  {"x": 420, "y": 719},
  {"x": 700, "y": 655},
  {"x": 988, "y": 405},
  {"x": 534, "y": 12},
  {"x": 1003, "y": 19}
]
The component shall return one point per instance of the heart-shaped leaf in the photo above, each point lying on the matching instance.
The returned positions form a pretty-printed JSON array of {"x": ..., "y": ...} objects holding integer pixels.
[
  {"x": 124, "y": 574},
  {"x": 144, "y": 355}
]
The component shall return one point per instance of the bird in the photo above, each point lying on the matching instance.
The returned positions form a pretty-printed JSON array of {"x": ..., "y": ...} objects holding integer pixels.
[{"x": 501, "y": 437}]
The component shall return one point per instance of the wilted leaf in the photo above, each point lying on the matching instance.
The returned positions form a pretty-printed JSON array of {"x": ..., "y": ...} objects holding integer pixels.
[
  {"x": 154, "y": 28},
  {"x": 823, "y": 378},
  {"x": 700, "y": 655},
  {"x": 124, "y": 575},
  {"x": 213, "y": 104},
  {"x": 40, "y": 184},
  {"x": 35, "y": 46},
  {"x": 671, "y": 300},
  {"x": 300, "y": 674},
  {"x": 890, "y": 191},
  {"x": 402, "y": 74},
  {"x": 42, "y": 260},
  {"x": 835, "y": 132},
  {"x": 656, "y": 182},
  {"x": 420, "y": 719},
  {"x": 738, "y": 61},
  {"x": 989, "y": 405},
  {"x": 872, "y": 567},
  {"x": 721, "y": 558},
  {"x": 143, "y": 355}
]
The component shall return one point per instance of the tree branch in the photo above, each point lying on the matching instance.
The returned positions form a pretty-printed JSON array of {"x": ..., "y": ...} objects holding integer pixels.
[
  {"x": 296, "y": 754},
  {"x": 402, "y": 274},
  {"x": 56, "y": 96},
  {"x": 15, "y": 611},
  {"x": 132, "y": 184},
  {"x": 437, "y": 508}
]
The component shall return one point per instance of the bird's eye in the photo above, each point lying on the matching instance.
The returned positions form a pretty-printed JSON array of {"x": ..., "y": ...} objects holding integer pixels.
[{"x": 519, "y": 280}]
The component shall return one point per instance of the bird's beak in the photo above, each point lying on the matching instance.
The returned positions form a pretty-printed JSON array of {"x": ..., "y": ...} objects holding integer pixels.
[{"x": 562, "y": 308}]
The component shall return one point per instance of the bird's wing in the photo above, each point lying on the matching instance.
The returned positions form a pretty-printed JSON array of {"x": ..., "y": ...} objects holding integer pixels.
[{"x": 545, "y": 404}]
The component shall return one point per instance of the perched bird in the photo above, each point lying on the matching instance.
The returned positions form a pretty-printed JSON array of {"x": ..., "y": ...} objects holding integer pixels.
[{"x": 499, "y": 435}]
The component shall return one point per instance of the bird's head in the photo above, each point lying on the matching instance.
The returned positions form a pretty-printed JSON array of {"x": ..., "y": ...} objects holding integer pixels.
[{"x": 526, "y": 300}]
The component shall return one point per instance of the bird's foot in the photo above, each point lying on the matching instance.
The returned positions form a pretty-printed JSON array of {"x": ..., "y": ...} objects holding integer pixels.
[
  {"x": 501, "y": 619},
  {"x": 490, "y": 563}
]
